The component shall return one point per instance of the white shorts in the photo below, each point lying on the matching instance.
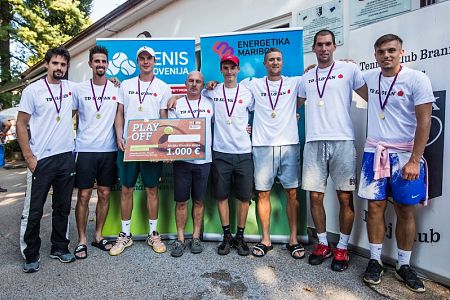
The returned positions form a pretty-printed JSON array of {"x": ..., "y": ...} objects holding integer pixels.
[
  {"x": 329, "y": 158},
  {"x": 276, "y": 161}
]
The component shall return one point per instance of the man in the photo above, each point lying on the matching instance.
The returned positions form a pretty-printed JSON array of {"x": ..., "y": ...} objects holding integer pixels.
[
  {"x": 141, "y": 97},
  {"x": 399, "y": 120},
  {"x": 46, "y": 106},
  {"x": 232, "y": 157},
  {"x": 4, "y": 127},
  {"x": 329, "y": 148},
  {"x": 191, "y": 177},
  {"x": 276, "y": 149},
  {"x": 96, "y": 103}
]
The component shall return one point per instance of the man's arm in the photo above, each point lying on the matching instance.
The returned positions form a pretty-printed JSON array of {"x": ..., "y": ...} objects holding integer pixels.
[
  {"x": 163, "y": 114},
  {"x": 363, "y": 92},
  {"x": 22, "y": 137},
  {"x": 300, "y": 101},
  {"x": 423, "y": 116},
  {"x": 118, "y": 125},
  {"x": 6, "y": 127}
]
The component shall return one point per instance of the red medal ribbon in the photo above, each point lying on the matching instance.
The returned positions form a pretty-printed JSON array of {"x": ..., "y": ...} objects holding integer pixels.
[
  {"x": 229, "y": 113},
  {"x": 198, "y": 106},
  {"x": 278, "y": 94},
  {"x": 383, "y": 104},
  {"x": 58, "y": 109},
  {"x": 95, "y": 98},
  {"x": 326, "y": 80}
]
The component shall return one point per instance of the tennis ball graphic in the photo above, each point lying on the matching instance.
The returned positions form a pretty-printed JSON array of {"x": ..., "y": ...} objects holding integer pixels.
[{"x": 168, "y": 130}]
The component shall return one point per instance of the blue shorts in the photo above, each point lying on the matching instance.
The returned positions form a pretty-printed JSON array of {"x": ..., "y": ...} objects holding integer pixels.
[
  {"x": 407, "y": 192},
  {"x": 276, "y": 161}
]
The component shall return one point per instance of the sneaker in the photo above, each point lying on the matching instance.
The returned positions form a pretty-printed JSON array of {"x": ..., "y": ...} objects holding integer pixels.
[
  {"x": 409, "y": 277},
  {"x": 177, "y": 248},
  {"x": 340, "y": 260},
  {"x": 321, "y": 252},
  {"x": 123, "y": 241},
  {"x": 31, "y": 267},
  {"x": 225, "y": 246},
  {"x": 196, "y": 246},
  {"x": 241, "y": 246},
  {"x": 2, "y": 190},
  {"x": 154, "y": 241},
  {"x": 64, "y": 257},
  {"x": 373, "y": 272}
]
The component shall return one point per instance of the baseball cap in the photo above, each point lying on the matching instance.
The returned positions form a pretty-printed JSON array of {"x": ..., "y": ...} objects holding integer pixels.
[
  {"x": 145, "y": 49},
  {"x": 231, "y": 58}
]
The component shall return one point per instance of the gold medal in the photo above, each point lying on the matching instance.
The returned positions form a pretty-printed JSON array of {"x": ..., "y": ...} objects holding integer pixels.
[
  {"x": 321, "y": 103},
  {"x": 58, "y": 118},
  {"x": 98, "y": 116},
  {"x": 140, "y": 108},
  {"x": 273, "y": 114},
  {"x": 229, "y": 121},
  {"x": 382, "y": 115}
]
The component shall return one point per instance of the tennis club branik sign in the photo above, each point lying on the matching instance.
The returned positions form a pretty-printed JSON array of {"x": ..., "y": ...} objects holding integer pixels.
[{"x": 175, "y": 58}]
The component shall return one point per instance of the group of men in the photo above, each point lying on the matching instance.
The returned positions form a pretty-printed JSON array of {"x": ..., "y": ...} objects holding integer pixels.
[{"x": 392, "y": 166}]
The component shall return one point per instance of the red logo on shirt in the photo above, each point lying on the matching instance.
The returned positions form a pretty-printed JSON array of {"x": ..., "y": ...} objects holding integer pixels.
[
  {"x": 70, "y": 93},
  {"x": 208, "y": 111},
  {"x": 289, "y": 91},
  {"x": 154, "y": 94},
  {"x": 114, "y": 97},
  {"x": 340, "y": 76},
  {"x": 400, "y": 93},
  {"x": 240, "y": 101}
]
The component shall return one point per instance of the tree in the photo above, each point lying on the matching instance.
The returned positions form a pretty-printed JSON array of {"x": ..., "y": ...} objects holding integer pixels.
[{"x": 29, "y": 27}]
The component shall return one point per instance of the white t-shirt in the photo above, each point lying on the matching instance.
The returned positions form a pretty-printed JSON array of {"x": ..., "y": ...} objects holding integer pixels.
[
  {"x": 95, "y": 134},
  {"x": 230, "y": 132},
  {"x": 332, "y": 120},
  {"x": 412, "y": 88},
  {"x": 183, "y": 111},
  {"x": 156, "y": 96},
  {"x": 282, "y": 129},
  {"x": 49, "y": 136}
]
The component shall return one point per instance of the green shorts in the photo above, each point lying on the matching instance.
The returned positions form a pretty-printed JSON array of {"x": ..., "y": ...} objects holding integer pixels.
[{"x": 129, "y": 172}]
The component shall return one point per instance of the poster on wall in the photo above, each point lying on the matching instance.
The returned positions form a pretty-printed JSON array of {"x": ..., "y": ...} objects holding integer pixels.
[
  {"x": 429, "y": 54},
  {"x": 366, "y": 12},
  {"x": 325, "y": 16}
]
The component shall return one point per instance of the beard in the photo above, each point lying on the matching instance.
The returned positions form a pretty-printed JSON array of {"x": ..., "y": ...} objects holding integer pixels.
[
  {"x": 100, "y": 72},
  {"x": 58, "y": 75}
]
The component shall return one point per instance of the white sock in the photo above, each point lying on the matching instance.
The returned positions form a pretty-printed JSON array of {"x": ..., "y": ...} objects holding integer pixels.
[
  {"x": 403, "y": 257},
  {"x": 375, "y": 251},
  {"x": 343, "y": 241},
  {"x": 126, "y": 225},
  {"x": 153, "y": 224},
  {"x": 322, "y": 238}
]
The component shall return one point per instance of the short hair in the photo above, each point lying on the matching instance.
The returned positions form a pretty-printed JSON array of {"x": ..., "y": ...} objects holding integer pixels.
[
  {"x": 322, "y": 33},
  {"x": 60, "y": 51},
  {"x": 273, "y": 49},
  {"x": 386, "y": 39},
  {"x": 98, "y": 50}
]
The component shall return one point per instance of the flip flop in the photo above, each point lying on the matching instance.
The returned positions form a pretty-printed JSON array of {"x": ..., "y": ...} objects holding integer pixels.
[
  {"x": 102, "y": 244},
  {"x": 261, "y": 248},
  {"x": 79, "y": 249},
  {"x": 296, "y": 248}
]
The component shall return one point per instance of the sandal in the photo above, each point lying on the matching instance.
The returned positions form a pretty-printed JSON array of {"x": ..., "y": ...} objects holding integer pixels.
[
  {"x": 261, "y": 248},
  {"x": 102, "y": 244},
  {"x": 80, "y": 249},
  {"x": 296, "y": 248}
]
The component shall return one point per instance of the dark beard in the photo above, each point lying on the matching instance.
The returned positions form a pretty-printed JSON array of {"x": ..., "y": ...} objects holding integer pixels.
[{"x": 57, "y": 76}]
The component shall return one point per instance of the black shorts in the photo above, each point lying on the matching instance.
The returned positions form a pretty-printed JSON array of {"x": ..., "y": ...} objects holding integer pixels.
[
  {"x": 97, "y": 167},
  {"x": 232, "y": 171},
  {"x": 190, "y": 181}
]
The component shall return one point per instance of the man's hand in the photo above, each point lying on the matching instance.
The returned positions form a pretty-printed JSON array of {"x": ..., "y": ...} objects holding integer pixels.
[
  {"x": 31, "y": 163},
  {"x": 348, "y": 60},
  {"x": 411, "y": 170},
  {"x": 172, "y": 103},
  {"x": 309, "y": 68},
  {"x": 249, "y": 129},
  {"x": 210, "y": 85},
  {"x": 115, "y": 81},
  {"x": 121, "y": 144}
]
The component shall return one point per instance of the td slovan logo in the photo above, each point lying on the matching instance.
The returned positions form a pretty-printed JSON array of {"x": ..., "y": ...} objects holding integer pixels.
[{"x": 121, "y": 63}]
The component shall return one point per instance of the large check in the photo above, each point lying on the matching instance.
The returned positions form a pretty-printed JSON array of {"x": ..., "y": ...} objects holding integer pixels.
[{"x": 165, "y": 139}]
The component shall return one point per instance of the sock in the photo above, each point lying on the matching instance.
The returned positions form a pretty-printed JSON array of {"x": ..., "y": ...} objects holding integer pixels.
[
  {"x": 375, "y": 251},
  {"x": 240, "y": 231},
  {"x": 403, "y": 257},
  {"x": 343, "y": 241},
  {"x": 153, "y": 224},
  {"x": 226, "y": 230},
  {"x": 322, "y": 238},
  {"x": 126, "y": 225}
]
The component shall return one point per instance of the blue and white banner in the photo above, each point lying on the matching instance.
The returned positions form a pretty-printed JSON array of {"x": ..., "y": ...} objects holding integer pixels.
[
  {"x": 175, "y": 58},
  {"x": 250, "y": 47}
]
